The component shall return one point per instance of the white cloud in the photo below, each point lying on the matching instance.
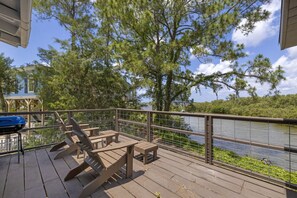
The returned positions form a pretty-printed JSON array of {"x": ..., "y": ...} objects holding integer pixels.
[
  {"x": 45, "y": 64},
  {"x": 292, "y": 52},
  {"x": 192, "y": 56},
  {"x": 209, "y": 68},
  {"x": 289, "y": 64},
  {"x": 201, "y": 50},
  {"x": 208, "y": 94},
  {"x": 263, "y": 29},
  {"x": 288, "y": 61},
  {"x": 141, "y": 91}
]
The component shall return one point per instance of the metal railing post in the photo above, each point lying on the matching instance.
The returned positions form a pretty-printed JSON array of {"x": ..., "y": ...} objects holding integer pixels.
[
  {"x": 116, "y": 120},
  {"x": 150, "y": 135},
  {"x": 69, "y": 116},
  {"x": 208, "y": 139}
]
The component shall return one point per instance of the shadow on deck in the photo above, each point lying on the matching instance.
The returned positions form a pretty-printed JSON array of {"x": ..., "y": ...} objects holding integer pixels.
[{"x": 171, "y": 175}]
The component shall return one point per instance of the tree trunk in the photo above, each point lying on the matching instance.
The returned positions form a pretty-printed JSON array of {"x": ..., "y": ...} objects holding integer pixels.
[
  {"x": 2, "y": 101},
  {"x": 73, "y": 36},
  {"x": 73, "y": 41},
  {"x": 168, "y": 91},
  {"x": 3, "y": 109},
  {"x": 159, "y": 94}
]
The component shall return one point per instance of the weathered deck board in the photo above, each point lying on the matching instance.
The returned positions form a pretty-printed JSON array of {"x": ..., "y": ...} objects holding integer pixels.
[
  {"x": 55, "y": 189},
  {"x": 4, "y": 165},
  {"x": 196, "y": 175},
  {"x": 32, "y": 173},
  {"x": 171, "y": 175},
  {"x": 33, "y": 181},
  {"x": 14, "y": 186},
  {"x": 35, "y": 192},
  {"x": 73, "y": 187},
  {"x": 52, "y": 182},
  {"x": 47, "y": 170}
]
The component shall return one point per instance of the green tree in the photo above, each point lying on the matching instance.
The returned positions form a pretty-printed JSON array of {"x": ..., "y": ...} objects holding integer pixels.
[
  {"x": 153, "y": 41},
  {"x": 81, "y": 74},
  {"x": 8, "y": 81},
  {"x": 74, "y": 15},
  {"x": 279, "y": 106},
  {"x": 73, "y": 82}
]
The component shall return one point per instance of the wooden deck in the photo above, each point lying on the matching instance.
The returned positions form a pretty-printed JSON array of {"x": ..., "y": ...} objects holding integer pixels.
[{"x": 171, "y": 175}]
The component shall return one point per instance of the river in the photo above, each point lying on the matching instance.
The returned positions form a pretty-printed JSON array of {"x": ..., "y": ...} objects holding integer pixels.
[{"x": 266, "y": 133}]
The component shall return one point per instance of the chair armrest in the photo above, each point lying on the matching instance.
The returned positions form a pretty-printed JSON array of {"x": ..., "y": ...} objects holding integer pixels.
[
  {"x": 116, "y": 146},
  {"x": 80, "y": 125},
  {"x": 83, "y": 125},
  {"x": 67, "y": 132},
  {"x": 91, "y": 129},
  {"x": 96, "y": 140},
  {"x": 102, "y": 136}
]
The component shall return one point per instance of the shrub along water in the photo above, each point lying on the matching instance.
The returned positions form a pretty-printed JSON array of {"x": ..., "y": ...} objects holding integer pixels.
[{"x": 284, "y": 106}]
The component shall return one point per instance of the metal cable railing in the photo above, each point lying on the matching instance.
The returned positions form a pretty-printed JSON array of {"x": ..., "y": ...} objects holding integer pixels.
[{"x": 262, "y": 147}]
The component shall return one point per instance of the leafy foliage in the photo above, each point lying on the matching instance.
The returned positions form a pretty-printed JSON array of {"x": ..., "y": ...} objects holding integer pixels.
[
  {"x": 73, "y": 82},
  {"x": 153, "y": 41},
  {"x": 80, "y": 74},
  {"x": 149, "y": 44},
  {"x": 281, "y": 106},
  {"x": 8, "y": 80}
]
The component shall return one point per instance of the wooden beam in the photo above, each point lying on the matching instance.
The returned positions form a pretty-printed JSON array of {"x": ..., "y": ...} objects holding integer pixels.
[
  {"x": 9, "y": 13},
  {"x": 283, "y": 24},
  {"x": 7, "y": 38},
  {"x": 8, "y": 28}
]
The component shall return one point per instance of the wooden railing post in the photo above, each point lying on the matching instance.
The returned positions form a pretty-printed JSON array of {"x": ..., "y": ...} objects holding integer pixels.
[
  {"x": 150, "y": 135},
  {"x": 116, "y": 120},
  {"x": 208, "y": 139}
]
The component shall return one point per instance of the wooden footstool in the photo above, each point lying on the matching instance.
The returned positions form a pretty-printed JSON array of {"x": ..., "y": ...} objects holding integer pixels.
[
  {"x": 146, "y": 147},
  {"x": 109, "y": 132}
]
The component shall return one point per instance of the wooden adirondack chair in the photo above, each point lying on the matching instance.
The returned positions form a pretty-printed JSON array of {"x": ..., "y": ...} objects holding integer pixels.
[
  {"x": 105, "y": 161},
  {"x": 71, "y": 139}
]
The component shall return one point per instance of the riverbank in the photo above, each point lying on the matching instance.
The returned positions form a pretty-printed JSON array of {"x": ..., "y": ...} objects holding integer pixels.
[{"x": 283, "y": 106}]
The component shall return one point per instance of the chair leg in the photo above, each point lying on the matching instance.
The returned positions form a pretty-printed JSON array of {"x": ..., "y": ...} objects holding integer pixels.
[
  {"x": 93, "y": 185},
  {"x": 145, "y": 155},
  {"x": 155, "y": 154},
  {"x": 75, "y": 171},
  {"x": 78, "y": 153},
  {"x": 129, "y": 165},
  {"x": 117, "y": 138},
  {"x": 67, "y": 151},
  {"x": 108, "y": 140},
  {"x": 58, "y": 146}
]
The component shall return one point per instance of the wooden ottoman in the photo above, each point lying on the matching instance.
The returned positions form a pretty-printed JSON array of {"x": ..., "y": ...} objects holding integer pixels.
[
  {"x": 146, "y": 147},
  {"x": 109, "y": 132}
]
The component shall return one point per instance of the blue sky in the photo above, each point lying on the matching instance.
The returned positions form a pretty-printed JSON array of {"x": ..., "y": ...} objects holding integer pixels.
[
  {"x": 263, "y": 40},
  {"x": 43, "y": 34}
]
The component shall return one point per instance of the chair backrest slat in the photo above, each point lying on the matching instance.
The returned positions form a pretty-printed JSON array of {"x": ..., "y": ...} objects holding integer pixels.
[
  {"x": 85, "y": 142},
  {"x": 82, "y": 136},
  {"x": 63, "y": 127}
]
